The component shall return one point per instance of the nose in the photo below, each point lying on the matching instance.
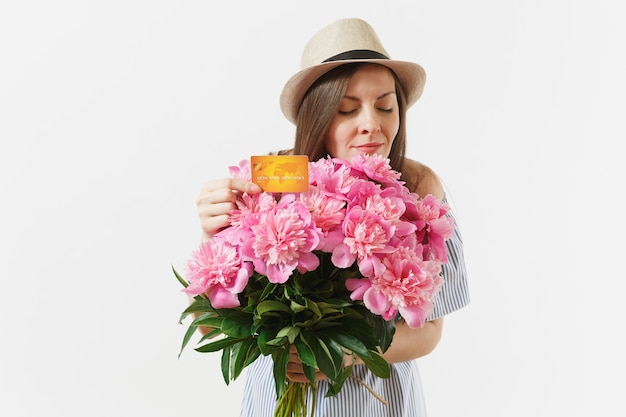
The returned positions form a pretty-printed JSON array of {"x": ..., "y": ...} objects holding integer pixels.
[{"x": 369, "y": 122}]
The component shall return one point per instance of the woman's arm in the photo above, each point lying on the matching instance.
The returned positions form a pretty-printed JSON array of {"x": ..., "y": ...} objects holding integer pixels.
[
  {"x": 411, "y": 343},
  {"x": 407, "y": 344}
]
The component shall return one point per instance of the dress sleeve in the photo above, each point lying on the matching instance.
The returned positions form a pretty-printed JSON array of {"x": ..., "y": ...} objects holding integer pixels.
[{"x": 454, "y": 293}]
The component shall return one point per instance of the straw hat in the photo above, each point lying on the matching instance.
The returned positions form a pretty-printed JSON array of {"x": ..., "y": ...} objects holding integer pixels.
[{"x": 342, "y": 42}]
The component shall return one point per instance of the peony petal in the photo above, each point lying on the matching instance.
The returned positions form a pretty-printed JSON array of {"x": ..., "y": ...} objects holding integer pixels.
[
  {"x": 443, "y": 226},
  {"x": 405, "y": 228},
  {"x": 371, "y": 266},
  {"x": 342, "y": 258},
  {"x": 220, "y": 298},
  {"x": 308, "y": 262},
  {"x": 331, "y": 240},
  {"x": 278, "y": 275},
  {"x": 376, "y": 302},
  {"x": 238, "y": 283},
  {"x": 195, "y": 288},
  {"x": 415, "y": 315},
  {"x": 358, "y": 287},
  {"x": 389, "y": 314}
]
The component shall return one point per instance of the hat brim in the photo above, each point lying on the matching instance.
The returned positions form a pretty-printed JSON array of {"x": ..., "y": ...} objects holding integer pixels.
[{"x": 411, "y": 75}]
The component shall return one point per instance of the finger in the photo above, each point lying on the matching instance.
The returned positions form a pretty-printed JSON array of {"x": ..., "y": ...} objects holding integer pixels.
[
  {"x": 217, "y": 195},
  {"x": 206, "y": 210},
  {"x": 211, "y": 225},
  {"x": 297, "y": 377},
  {"x": 231, "y": 184},
  {"x": 300, "y": 377}
]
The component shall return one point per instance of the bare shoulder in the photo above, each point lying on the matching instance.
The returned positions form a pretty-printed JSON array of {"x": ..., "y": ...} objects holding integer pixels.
[{"x": 421, "y": 179}]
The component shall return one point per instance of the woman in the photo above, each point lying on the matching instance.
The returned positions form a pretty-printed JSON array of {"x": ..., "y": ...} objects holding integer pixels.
[{"x": 350, "y": 94}]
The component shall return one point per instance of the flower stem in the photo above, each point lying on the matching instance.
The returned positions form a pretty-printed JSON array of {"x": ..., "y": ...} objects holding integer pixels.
[
  {"x": 294, "y": 400},
  {"x": 367, "y": 387}
]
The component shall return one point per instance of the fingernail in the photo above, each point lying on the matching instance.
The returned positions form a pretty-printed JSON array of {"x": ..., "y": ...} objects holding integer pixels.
[{"x": 255, "y": 188}]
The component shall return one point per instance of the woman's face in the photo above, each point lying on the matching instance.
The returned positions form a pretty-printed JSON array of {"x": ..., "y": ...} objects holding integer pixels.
[{"x": 368, "y": 118}]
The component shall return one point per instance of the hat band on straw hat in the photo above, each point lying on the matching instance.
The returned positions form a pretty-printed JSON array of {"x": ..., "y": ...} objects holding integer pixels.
[{"x": 356, "y": 54}]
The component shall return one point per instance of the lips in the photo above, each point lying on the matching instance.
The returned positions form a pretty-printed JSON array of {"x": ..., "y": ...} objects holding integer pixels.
[{"x": 369, "y": 147}]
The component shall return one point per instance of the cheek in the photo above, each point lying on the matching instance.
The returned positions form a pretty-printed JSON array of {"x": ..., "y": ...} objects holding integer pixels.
[
  {"x": 337, "y": 135},
  {"x": 391, "y": 129}
]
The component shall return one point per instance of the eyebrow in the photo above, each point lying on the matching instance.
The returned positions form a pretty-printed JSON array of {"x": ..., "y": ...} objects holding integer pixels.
[{"x": 377, "y": 98}]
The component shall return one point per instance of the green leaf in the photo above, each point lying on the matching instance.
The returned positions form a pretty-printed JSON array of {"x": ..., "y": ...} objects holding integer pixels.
[
  {"x": 360, "y": 329},
  {"x": 278, "y": 341},
  {"x": 271, "y": 305},
  {"x": 376, "y": 364},
  {"x": 241, "y": 357},
  {"x": 253, "y": 354},
  {"x": 291, "y": 291},
  {"x": 328, "y": 355},
  {"x": 335, "y": 386},
  {"x": 296, "y": 308},
  {"x": 290, "y": 332},
  {"x": 208, "y": 320},
  {"x": 237, "y": 326},
  {"x": 179, "y": 278},
  {"x": 197, "y": 306},
  {"x": 309, "y": 364},
  {"x": 281, "y": 358},
  {"x": 305, "y": 353},
  {"x": 311, "y": 305},
  {"x": 336, "y": 354},
  {"x": 210, "y": 335},
  {"x": 347, "y": 340},
  {"x": 225, "y": 363},
  {"x": 263, "y": 338},
  {"x": 333, "y": 304},
  {"x": 269, "y": 289},
  {"x": 218, "y": 344},
  {"x": 190, "y": 331},
  {"x": 383, "y": 331},
  {"x": 309, "y": 372}
]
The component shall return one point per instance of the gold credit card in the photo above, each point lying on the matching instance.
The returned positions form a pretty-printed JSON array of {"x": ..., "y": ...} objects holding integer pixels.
[{"x": 281, "y": 173}]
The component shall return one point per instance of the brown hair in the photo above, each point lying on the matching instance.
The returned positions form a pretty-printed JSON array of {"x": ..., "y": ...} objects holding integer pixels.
[{"x": 320, "y": 105}]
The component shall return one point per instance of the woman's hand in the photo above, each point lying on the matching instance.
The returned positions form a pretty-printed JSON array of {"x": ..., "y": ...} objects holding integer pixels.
[
  {"x": 294, "y": 368},
  {"x": 296, "y": 373},
  {"x": 216, "y": 199}
]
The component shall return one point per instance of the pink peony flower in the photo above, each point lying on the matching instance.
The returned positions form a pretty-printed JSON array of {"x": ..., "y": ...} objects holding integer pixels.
[
  {"x": 406, "y": 285},
  {"x": 361, "y": 191},
  {"x": 328, "y": 214},
  {"x": 376, "y": 167},
  {"x": 366, "y": 234},
  {"x": 218, "y": 270},
  {"x": 390, "y": 208},
  {"x": 283, "y": 240},
  {"x": 433, "y": 227},
  {"x": 249, "y": 208},
  {"x": 332, "y": 177}
]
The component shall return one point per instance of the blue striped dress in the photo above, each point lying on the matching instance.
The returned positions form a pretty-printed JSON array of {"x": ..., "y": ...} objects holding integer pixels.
[{"x": 402, "y": 391}]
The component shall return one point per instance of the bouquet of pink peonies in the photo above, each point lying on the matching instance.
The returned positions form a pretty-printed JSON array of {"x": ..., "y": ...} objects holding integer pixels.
[{"x": 326, "y": 271}]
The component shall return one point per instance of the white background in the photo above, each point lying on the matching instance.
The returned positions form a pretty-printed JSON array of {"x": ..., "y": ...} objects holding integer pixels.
[{"x": 113, "y": 113}]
